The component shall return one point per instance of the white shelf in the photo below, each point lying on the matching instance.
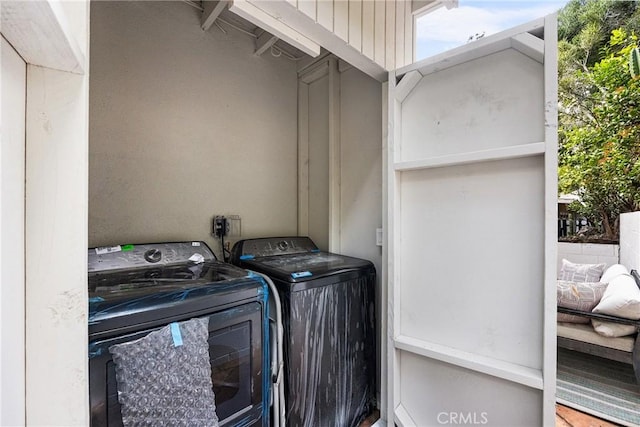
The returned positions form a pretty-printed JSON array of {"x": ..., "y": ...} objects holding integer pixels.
[
  {"x": 508, "y": 371},
  {"x": 513, "y": 152}
]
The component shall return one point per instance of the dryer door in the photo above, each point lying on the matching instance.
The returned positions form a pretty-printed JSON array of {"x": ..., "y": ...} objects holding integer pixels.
[{"x": 237, "y": 356}]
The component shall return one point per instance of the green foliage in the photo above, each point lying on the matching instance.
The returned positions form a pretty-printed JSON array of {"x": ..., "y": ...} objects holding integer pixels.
[
  {"x": 599, "y": 132},
  {"x": 586, "y": 26}
]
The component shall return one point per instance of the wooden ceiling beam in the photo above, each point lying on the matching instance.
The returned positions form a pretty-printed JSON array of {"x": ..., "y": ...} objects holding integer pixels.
[
  {"x": 211, "y": 12},
  {"x": 264, "y": 42}
]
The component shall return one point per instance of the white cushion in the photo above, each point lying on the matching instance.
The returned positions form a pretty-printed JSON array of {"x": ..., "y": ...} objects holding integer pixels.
[
  {"x": 613, "y": 330},
  {"x": 586, "y": 333},
  {"x": 580, "y": 272},
  {"x": 612, "y": 272},
  {"x": 621, "y": 298}
]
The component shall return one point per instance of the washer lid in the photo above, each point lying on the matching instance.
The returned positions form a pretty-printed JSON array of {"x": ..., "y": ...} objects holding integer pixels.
[
  {"x": 292, "y": 259},
  {"x": 120, "y": 298},
  {"x": 151, "y": 279}
]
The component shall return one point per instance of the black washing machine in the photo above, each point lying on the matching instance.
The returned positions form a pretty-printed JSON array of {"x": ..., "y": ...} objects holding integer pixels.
[
  {"x": 137, "y": 289},
  {"x": 328, "y": 314}
]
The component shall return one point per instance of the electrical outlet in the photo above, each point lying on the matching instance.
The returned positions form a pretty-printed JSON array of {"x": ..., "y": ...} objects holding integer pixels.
[
  {"x": 226, "y": 226},
  {"x": 379, "y": 236},
  {"x": 219, "y": 226},
  {"x": 233, "y": 226}
]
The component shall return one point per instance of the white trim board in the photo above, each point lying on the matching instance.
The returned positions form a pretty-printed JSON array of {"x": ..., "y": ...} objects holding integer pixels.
[{"x": 54, "y": 47}]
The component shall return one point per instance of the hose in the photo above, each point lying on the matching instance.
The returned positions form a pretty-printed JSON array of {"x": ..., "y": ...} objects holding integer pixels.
[{"x": 279, "y": 406}]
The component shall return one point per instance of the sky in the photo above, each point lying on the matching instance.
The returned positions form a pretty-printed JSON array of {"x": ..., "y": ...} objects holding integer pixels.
[{"x": 445, "y": 28}]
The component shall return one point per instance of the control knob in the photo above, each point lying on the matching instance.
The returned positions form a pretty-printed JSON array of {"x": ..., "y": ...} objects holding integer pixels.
[
  {"x": 282, "y": 245},
  {"x": 153, "y": 255}
]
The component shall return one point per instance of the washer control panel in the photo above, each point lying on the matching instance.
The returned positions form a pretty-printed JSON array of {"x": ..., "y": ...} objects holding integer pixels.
[
  {"x": 273, "y": 246},
  {"x": 109, "y": 258}
]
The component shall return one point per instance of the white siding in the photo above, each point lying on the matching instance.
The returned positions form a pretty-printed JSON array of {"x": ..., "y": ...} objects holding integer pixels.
[
  {"x": 378, "y": 33},
  {"x": 356, "y": 18}
]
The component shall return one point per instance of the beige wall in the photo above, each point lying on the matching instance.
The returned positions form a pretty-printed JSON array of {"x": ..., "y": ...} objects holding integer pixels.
[
  {"x": 357, "y": 182},
  {"x": 319, "y": 162},
  {"x": 361, "y": 162},
  {"x": 361, "y": 174},
  {"x": 186, "y": 124},
  {"x": 361, "y": 165}
]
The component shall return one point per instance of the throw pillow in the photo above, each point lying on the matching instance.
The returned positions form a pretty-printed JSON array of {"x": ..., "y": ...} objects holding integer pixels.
[
  {"x": 579, "y": 296},
  {"x": 580, "y": 272},
  {"x": 622, "y": 298},
  {"x": 612, "y": 272}
]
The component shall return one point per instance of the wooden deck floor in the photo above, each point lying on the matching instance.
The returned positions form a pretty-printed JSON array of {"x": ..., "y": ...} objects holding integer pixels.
[{"x": 567, "y": 417}]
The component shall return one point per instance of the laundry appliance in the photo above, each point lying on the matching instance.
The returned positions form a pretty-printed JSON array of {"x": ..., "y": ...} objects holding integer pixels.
[
  {"x": 329, "y": 328},
  {"x": 137, "y": 289}
]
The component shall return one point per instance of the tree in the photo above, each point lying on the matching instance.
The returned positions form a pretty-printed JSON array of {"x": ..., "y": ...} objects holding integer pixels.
[{"x": 599, "y": 118}]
